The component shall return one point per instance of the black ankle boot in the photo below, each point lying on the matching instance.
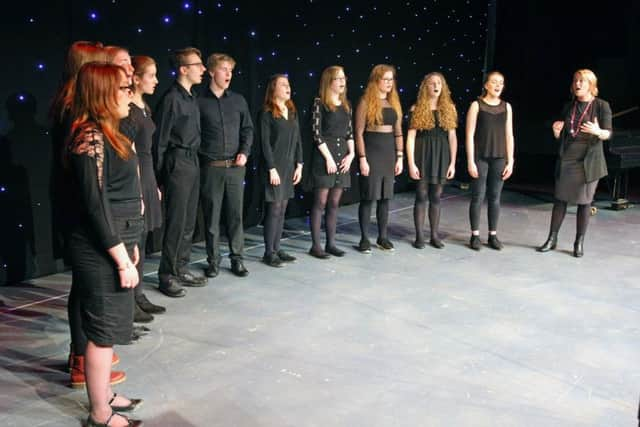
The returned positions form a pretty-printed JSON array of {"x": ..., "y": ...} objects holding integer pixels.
[
  {"x": 550, "y": 244},
  {"x": 578, "y": 249}
]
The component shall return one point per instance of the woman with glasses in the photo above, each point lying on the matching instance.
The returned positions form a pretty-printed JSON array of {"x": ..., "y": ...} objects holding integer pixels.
[
  {"x": 331, "y": 163},
  {"x": 108, "y": 222},
  {"x": 431, "y": 152},
  {"x": 379, "y": 147},
  {"x": 586, "y": 122},
  {"x": 489, "y": 144},
  {"x": 282, "y": 156}
]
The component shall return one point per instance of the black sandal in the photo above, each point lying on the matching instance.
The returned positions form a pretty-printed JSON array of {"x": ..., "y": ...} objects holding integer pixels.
[
  {"x": 131, "y": 423},
  {"x": 135, "y": 403}
]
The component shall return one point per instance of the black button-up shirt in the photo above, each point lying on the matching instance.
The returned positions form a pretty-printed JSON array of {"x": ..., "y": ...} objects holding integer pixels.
[
  {"x": 177, "y": 118},
  {"x": 227, "y": 129}
]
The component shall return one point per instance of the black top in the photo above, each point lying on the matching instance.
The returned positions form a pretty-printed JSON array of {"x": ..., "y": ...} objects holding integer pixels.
[
  {"x": 178, "y": 119},
  {"x": 327, "y": 123},
  {"x": 227, "y": 129},
  {"x": 490, "y": 137},
  {"x": 101, "y": 178},
  {"x": 281, "y": 141},
  {"x": 140, "y": 120}
]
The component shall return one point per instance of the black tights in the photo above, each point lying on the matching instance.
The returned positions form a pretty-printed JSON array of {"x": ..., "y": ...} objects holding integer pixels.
[
  {"x": 582, "y": 217},
  {"x": 328, "y": 198},
  {"x": 273, "y": 225},
  {"x": 433, "y": 192},
  {"x": 382, "y": 217}
]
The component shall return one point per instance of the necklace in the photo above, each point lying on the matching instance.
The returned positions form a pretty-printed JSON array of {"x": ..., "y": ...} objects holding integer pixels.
[{"x": 574, "y": 130}]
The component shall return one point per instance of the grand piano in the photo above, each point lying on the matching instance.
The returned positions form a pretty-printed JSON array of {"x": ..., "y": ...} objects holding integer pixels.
[{"x": 622, "y": 153}]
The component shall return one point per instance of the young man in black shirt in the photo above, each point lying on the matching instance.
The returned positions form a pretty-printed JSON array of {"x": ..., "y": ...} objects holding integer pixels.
[
  {"x": 227, "y": 135},
  {"x": 176, "y": 144}
]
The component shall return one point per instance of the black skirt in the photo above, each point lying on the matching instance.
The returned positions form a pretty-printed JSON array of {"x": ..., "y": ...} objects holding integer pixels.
[
  {"x": 381, "y": 156},
  {"x": 432, "y": 155},
  {"x": 106, "y": 307},
  {"x": 321, "y": 179},
  {"x": 571, "y": 185}
]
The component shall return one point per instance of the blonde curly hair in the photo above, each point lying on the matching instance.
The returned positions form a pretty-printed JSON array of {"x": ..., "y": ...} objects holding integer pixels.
[
  {"x": 372, "y": 99},
  {"x": 423, "y": 118}
]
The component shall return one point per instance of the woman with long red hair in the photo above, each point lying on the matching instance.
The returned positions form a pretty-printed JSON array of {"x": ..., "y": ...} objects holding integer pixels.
[
  {"x": 282, "y": 156},
  {"x": 380, "y": 151},
  {"x": 107, "y": 222}
]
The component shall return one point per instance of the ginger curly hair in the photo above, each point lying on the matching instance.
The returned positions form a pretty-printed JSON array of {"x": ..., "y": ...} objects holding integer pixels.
[{"x": 422, "y": 117}]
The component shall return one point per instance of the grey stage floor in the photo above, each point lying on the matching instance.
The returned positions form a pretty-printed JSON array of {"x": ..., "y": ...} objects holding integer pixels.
[{"x": 427, "y": 337}]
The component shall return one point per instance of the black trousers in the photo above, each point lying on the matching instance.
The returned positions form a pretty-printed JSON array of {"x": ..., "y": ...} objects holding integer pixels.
[
  {"x": 489, "y": 183},
  {"x": 222, "y": 188},
  {"x": 180, "y": 181}
]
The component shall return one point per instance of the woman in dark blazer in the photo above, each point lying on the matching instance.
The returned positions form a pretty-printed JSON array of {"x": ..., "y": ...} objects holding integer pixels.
[{"x": 586, "y": 122}]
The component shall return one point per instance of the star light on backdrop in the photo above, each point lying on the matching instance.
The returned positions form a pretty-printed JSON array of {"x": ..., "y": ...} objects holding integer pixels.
[{"x": 298, "y": 38}]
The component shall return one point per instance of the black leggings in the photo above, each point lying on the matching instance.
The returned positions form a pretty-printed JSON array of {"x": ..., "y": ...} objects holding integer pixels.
[
  {"x": 489, "y": 183},
  {"x": 273, "y": 225},
  {"x": 433, "y": 193},
  {"x": 382, "y": 217},
  {"x": 582, "y": 217},
  {"x": 328, "y": 198}
]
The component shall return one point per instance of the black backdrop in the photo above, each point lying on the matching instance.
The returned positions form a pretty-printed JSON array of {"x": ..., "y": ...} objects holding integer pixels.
[{"x": 299, "y": 38}]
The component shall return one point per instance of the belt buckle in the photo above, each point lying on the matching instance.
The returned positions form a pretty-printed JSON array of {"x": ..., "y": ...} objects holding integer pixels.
[{"x": 228, "y": 163}]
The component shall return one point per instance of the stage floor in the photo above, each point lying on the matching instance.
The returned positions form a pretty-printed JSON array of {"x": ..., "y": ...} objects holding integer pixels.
[{"x": 429, "y": 337}]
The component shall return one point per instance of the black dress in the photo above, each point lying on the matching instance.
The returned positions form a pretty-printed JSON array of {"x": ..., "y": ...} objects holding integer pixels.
[
  {"x": 581, "y": 163},
  {"x": 334, "y": 129},
  {"x": 107, "y": 209},
  {"x": 143, "y": 141},
  {"x": 431, "y": 153},
  {"x": 281, "y": 149},
  {"x": 380, "y": 151}
]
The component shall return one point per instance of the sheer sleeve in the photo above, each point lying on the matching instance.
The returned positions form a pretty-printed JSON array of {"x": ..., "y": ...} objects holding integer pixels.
[
  {"x": 349, "y": 135},
  {"x": 87, "y": 160},
  {"x": 397, "y": 133},
  {"x": 316, "y": 122},
  {"x": 361, "y": 123},
  {"x": 298, "y": 154}
]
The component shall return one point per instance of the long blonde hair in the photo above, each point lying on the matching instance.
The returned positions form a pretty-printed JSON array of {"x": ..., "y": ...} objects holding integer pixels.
[
  {"x": 326, "y": 79},
  {"x": 423, "y": 118},
  {"x": 372, "y": 99}
]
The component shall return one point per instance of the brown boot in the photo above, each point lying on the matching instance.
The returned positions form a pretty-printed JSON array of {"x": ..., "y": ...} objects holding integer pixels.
[
  {"x": 115, "y": 359},
  {"x": 78, "y": 379}
]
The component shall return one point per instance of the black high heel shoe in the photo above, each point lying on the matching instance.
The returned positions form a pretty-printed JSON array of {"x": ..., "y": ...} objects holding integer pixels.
[
  {"x": 550, "y": 244},
  {"x": 578, "y": 247}
]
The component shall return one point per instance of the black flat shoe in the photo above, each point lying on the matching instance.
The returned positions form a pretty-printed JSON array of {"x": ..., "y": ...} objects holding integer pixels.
[
  {"x": 436, "y": 243},
  {"x": 364, "y": 246},
  {"x": 238, "y": 268},
  {"x": 494, "y": 242},
  {"x": 146, "y": 305},
  {"x": 319, "y": 253},
  {"x": 132, "y": 406},
  {"x": 475, "y": 243},
  {"x": 272, "y": 260},
  {"x": 419, "y": 244},
  {"x": 384, "y": 244},
  {"x": 332, "y": 250},
  {"x": 141, "y": 316},
  {"x": 172, "y": 288},
  {"x": 285, "y": 257}
]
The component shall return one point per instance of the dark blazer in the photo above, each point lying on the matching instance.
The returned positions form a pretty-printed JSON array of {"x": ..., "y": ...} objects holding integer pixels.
[{"x": 595, "y": 165}]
